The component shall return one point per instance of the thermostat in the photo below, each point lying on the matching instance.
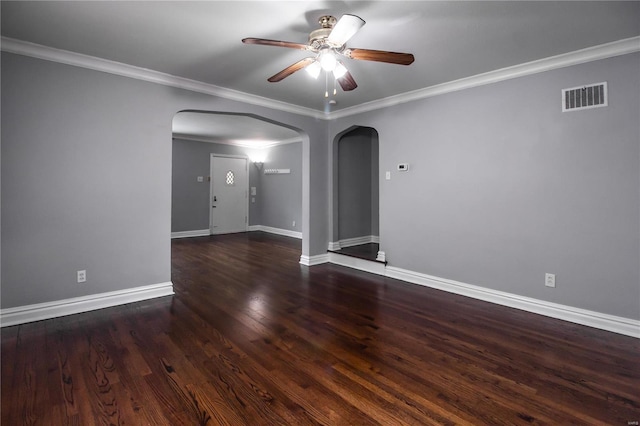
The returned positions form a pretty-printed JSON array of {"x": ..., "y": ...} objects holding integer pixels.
[{"x": 403, "y": 167}]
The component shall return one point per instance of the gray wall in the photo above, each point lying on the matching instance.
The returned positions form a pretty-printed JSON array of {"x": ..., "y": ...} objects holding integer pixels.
[
  {"x": 357, "y": 203},
  {"x": 280, "y": 198},
  {"x": 86, "y": 178},
  {"x": 190, "y": 198},
  {"x": 500, "y": 190},
  {"x": 504, "y": 187}
]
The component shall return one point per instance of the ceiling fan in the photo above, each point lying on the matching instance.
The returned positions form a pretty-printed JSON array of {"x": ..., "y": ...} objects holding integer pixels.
[{"x": 328, "y": 43}]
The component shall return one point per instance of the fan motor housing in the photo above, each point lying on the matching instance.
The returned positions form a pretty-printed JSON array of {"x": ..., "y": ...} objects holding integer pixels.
[{"x": 319, "y": 36}]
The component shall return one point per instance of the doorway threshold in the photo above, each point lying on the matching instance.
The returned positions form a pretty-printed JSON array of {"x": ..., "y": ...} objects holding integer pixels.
[{"x": 355, "y": 262}]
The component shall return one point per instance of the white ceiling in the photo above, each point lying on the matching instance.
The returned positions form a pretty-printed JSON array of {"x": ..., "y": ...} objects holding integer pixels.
[{"x": 202, "y": 40}]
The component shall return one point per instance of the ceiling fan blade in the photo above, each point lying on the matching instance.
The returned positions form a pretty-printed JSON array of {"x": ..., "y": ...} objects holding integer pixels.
[
  {"x": 277, "y": 43},
  {"x": 344, "y": 29},
  {"x": 379, "y": 56},
  {"x": 290, "y": 70},
  {"x": 347, "y": 82}
]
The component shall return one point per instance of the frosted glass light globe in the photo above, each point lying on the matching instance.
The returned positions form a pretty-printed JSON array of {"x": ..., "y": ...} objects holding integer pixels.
[{"x": 327, "y": 61}]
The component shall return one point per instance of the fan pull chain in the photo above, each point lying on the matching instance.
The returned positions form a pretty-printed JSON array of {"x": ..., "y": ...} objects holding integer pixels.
[
  {"x": 326, "y": 84},
  {"x": 335, "y": 91}
]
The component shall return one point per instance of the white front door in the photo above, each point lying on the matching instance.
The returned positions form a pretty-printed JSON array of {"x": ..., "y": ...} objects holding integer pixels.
[{"x": 228, "y": 198}]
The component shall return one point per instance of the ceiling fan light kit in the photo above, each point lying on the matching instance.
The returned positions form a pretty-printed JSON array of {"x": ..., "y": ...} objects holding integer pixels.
[
  {"x": 314, "y": 69},
  {"x": 339, "y": 70},
  {"x": 327, "y": 60},
  {"x": 327, "y": 43}
]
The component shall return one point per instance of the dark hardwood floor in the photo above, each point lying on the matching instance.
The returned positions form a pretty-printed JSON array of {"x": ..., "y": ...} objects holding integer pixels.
[{"x": 253, "y": 338}]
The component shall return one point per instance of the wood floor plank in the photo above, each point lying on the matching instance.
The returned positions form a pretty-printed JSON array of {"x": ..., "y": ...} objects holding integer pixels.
[{"x": 251, "y": 337}]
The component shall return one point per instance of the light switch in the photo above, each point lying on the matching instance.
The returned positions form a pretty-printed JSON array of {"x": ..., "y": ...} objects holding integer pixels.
[
  {"x": 200, "y": 178},
  {"x": 387, "y": 175},
  {"x": 253, "y": 190}
]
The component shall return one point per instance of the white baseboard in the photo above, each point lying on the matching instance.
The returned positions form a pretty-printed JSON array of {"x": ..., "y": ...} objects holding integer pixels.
[
  {"x": 76, "y": 305},
  {"x": 350, "y": 242},
  {"x": 334, "y": 245},
  {"x": 278, "y": 231},
  {"x": 189, "y": 234},
  {"x": 615, "y": 324},
  {"x": 357, "y": 263},
  {"x": 314, "y": 260},
  {"x": 620, "y": 325}
]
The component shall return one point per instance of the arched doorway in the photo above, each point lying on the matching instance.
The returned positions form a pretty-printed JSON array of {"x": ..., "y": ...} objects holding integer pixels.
[{"x": 265, "y": 144}]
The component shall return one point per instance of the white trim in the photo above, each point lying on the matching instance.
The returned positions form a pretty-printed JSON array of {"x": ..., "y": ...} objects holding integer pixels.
[
  {"x": 39, "y": 51},
  {"x": 231, "y": 231},
  {"x": 357, "y": 263},
  {"x": 277, "y": 231},
  {"x": 350, "y": 242},
  {"x": 334, "y": 245},
  {"x": 603, "y": 51},
  {"x": 626, "y": 326},
  {"x": 76, "y": 305},
  {"x": 314, "y": 260},
  {"x": 615, "y": 324},
  {"x": 189, "y": 234},
  {"x": 356, "y": 241}
]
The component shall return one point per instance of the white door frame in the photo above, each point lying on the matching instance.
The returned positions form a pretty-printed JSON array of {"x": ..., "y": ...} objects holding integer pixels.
[{"x": 211, "y": 157}]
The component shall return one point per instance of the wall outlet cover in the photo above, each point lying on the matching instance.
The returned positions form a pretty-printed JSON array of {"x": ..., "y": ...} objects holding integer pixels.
[{"x": 550, "y": 280}]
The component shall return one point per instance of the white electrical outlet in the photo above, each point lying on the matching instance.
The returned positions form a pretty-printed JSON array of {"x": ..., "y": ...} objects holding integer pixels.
[
  {"x": 82, "y": 276},
  {"x": 550, "y": 280},
  {"x": 293, "y": 224}
]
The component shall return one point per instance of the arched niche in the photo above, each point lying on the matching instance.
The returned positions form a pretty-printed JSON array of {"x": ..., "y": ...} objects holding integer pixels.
[{"x": 355, "y": 197}]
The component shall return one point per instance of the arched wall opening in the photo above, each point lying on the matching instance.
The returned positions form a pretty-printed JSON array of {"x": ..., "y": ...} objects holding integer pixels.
[{"x": 275, "y": 203}]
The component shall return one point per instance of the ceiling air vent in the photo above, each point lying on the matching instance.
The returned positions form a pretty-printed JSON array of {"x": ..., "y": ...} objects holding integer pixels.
[{"x": 585, "y": 97}]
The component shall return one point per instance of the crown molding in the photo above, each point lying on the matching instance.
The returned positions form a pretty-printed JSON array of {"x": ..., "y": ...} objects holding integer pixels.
[
  {"x": 39, "y": 51},
  {"x": 603, "y": 51}
]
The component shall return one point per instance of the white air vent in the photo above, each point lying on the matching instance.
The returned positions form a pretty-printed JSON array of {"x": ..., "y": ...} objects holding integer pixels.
[{"x": 584, "y": 97}]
